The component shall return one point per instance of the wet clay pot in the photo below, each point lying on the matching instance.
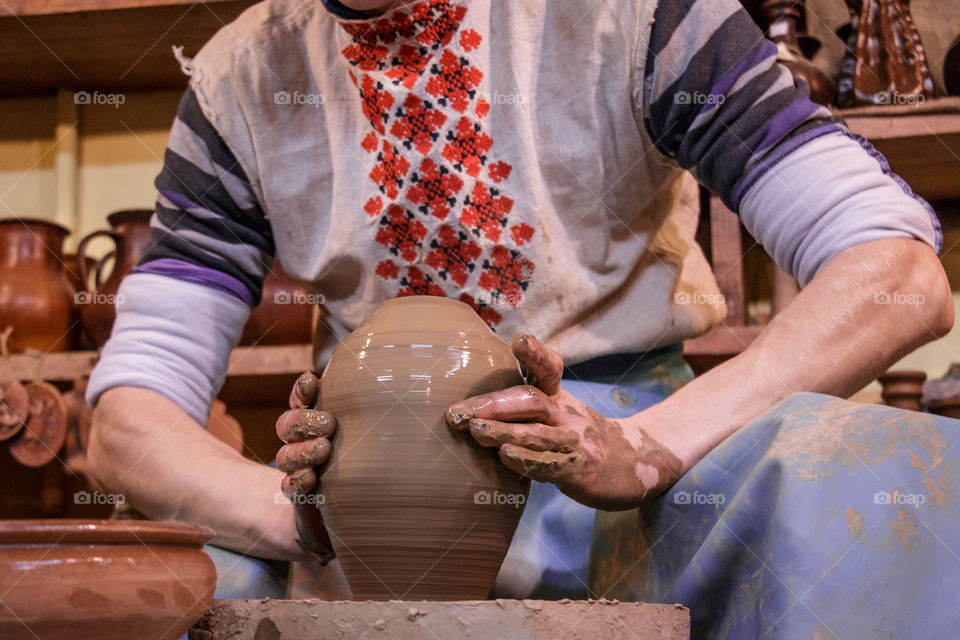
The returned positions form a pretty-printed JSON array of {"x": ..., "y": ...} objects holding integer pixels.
[
  {"x": 36, "y": 298},
  {"x": 98, "y": 579},
  {"x": 902, "y": 389},
  {"x": 284, "y": 315},
  {"x": 130, "y": 231},
  {"x": 415, "y": 510}
]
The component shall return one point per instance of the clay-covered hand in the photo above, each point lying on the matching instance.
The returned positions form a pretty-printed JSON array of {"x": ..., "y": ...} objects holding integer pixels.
[
  {"x": 306, "y": 432},
  {"x": 546, "y": 434}
]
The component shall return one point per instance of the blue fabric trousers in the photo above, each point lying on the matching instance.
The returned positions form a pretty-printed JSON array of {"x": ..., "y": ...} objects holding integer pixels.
[{"x": 821, "y": 519}]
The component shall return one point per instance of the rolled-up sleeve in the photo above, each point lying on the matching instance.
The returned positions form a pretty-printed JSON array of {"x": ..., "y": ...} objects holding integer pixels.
[
  {"x": 716, "y": 102},
  {"x": 182, "y": 311}
]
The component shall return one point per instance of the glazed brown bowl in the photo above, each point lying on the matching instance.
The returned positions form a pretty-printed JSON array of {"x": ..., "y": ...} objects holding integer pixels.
[{"x": 103, "y": 579}]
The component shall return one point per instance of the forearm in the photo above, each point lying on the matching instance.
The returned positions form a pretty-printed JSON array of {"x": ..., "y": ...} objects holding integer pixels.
[
  {"x": 169, "y": 467},
  {"x": 833, "y": 338}
]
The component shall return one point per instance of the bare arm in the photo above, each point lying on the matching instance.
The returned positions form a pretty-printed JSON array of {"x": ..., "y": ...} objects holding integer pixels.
[
  {"x": 169, "y": 467},
  {"x": 833, "y": 338}
]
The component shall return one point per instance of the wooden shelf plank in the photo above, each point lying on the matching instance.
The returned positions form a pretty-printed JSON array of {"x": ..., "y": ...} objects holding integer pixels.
[
  {"x": 103, "y": 45},
  {"x": 48, "y": 7},
  {"x": 244, "y": 361}
]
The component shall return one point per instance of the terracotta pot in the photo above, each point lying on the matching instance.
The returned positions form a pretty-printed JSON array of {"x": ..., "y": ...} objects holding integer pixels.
[
  {"x": 72, "y": 270},
  {"x": 284, "y": 315},
  {"x": 71, "y": 267},
  {"x": 86, "y": 579},
  {"x": 130, "y": 230},
  {"x": 36, "y": 298},
  {"x": 949, "y": 408},
  {"x": 903, "y": 389},
  {"x": 415, "y": 510}
]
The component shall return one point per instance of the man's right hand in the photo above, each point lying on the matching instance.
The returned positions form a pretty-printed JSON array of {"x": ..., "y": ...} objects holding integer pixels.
[{"x": 306, "y": 432}]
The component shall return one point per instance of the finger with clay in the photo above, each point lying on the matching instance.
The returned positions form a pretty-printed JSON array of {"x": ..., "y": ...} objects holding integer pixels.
[{"x": 306, "y": 432}]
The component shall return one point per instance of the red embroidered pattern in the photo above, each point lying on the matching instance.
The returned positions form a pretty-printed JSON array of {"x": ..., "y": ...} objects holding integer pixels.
[
  {"x": 440, "y": 209},
  {"x": 435, "y": 189},
  {"x": 453, "y": 255},
  {"x": 401, "y": 233},
  {"x": 417, "y": 123}
]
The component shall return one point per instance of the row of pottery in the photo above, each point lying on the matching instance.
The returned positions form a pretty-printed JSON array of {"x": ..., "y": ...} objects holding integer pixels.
[{"x": 54, "y": 302}]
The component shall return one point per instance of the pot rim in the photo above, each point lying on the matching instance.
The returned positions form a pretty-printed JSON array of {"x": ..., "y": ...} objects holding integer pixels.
[
  {"x": 107, "y": 532},
  {"x": 26, "y": 221},
  {"x": 126, "y": 216},
  {"x": 902, "y": 373}
]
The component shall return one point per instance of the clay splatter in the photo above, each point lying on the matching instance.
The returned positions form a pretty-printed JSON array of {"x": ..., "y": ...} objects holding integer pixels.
[{"x": 855, "y": 524}]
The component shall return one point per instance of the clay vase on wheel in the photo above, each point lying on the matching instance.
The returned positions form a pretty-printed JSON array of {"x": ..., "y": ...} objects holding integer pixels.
[
  {"x": 36, "y": 298},
  {"x": 415, "y": 510},
  {"x": 130, "y": 230}
]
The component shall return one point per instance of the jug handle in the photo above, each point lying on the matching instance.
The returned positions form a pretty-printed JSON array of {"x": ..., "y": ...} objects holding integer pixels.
[
  {"x": 98, "y": 268},
  {"x": 82, "y": 257}
]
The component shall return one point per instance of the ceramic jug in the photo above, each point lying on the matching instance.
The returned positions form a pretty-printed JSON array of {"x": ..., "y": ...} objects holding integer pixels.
[
  {"x": 130, "y": 231},
  {"x": 36, "y": 297}
]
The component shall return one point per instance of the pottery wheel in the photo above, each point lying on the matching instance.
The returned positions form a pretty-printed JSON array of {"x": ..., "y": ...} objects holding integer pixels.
[{"x": 46, "y": 427}]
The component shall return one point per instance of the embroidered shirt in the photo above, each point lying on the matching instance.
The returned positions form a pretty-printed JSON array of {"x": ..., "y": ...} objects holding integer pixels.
[{"x": 526, "y": 158}]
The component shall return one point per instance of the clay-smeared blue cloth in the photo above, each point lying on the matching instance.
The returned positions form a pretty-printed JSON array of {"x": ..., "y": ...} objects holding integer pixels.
[{"x": 821, "y": 519}]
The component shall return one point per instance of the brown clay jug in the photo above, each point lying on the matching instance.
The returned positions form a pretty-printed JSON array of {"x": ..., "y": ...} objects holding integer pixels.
[
  {"x": 71, "y": 268},
  {"x": 284, "y": 315},
  {"x": 36, "y": 298},
  {"x": 130, "y": 230},
  {"x": 415, "y": 510}
]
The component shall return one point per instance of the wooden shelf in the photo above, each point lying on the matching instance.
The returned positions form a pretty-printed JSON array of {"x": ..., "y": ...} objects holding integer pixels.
[
  {"x": 244, "y": 361},
  {"x": 103, "y": 45},
  {"x": 921, "y": 143}
]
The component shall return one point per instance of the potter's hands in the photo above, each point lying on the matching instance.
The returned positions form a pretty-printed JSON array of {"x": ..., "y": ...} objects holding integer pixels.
[
  {"x": 548, "y": 435},
  {"x": 307, "y": 433}
]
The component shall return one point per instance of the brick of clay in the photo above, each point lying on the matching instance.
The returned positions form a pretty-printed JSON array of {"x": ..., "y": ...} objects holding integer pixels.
[{"x": 395, "y": 620}]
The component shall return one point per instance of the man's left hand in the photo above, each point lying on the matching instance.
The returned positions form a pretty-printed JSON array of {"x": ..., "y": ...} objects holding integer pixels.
[{"x": 546, "y": 434}]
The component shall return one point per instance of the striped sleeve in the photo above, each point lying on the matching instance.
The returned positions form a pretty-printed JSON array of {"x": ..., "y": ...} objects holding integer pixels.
[
  {"x": 209, "y": 228},
  {"x": 716, "y": 100},
  {"x": 184, "y": 308}
]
